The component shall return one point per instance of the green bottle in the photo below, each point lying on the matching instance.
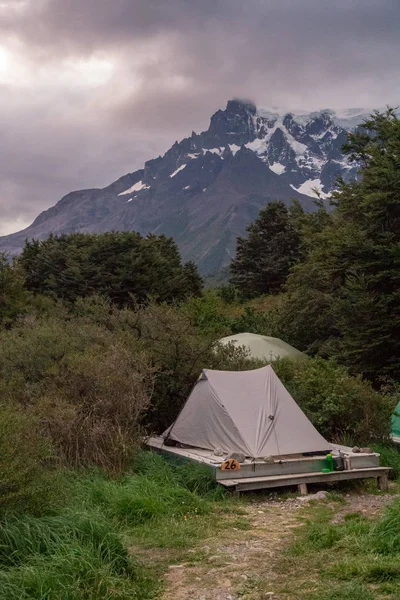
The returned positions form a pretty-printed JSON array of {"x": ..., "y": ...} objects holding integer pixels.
[{"x": 330, "y": 463}]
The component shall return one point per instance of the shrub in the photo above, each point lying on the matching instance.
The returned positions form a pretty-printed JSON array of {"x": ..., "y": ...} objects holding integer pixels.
[
  {"x": 95, "y": 416},
  {"x": 84, "y": 384},
  {"x": 228, "y": 293},
  {"x": 24, "y": 480},
  {"x": 390, "y": 457},
  {"x": 338, "y": 404},
  {"x": 254, "y": 321},
  {"x": 178, "y": 352},
  {"x": 14, "y": 298},
  {"x": 208, "y": 314}
]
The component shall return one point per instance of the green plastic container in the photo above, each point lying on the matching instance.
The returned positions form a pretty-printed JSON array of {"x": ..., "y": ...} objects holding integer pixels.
[{"x": 329, "y": 464}]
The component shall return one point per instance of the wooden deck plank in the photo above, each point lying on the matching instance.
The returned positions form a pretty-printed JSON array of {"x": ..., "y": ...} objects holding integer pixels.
[{"x": 256, "y": 483}]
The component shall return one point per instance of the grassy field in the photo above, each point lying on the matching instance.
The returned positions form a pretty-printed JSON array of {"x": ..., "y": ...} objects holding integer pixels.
[
  {"x": 356, "y": 559},
  {"x": 115, "y": 539},
  {"x": 88, "y": 548}
]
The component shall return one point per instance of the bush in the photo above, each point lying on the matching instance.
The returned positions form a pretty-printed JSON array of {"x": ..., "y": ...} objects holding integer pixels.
[
  {"x": 254, "y": 321},
  {"x": 14, "y": 298},
  {"x": 86, "y": 386},
  {"x": 228, "y": 293},
  {"x": 390, "y": 457},
  {"x": 178, "y": 352},
  {"x": 25, "y": 482},
  {"x": 339, "y": 405},
  {"x": 95, "y": 416},
  {"x": 208, "y": 314}
]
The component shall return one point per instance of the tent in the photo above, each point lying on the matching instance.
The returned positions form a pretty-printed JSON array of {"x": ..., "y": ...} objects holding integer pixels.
[
  {"x": 250, "y": 412},
  {"x": 396, "y": 424},
  {"x": 263, "y": 347}
]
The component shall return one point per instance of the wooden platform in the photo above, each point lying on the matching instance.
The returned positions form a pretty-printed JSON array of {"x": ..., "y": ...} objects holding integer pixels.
[
  {"x": 301, "y": 480},
  {"x": 290, "y": 470}
]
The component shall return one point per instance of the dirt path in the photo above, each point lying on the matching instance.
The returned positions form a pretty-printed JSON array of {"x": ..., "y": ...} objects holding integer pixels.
[
  {"x": 232, "y": 563},
  {"x": 232, "y": 566}
]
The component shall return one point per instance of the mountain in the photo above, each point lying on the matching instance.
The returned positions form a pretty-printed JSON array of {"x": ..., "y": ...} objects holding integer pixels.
[{"x": 207, "y": 188}]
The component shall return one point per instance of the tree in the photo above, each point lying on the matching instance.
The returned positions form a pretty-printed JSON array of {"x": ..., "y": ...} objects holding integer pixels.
[
  {"x": 348, "y": 285},
  {"x": 124, "y": 266},
  {"x": 13, "y": 295},
  {"x": 264, "y": 258}
]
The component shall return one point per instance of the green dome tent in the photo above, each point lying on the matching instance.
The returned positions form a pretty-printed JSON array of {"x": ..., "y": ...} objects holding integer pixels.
[{"x": 263, "y": 347}]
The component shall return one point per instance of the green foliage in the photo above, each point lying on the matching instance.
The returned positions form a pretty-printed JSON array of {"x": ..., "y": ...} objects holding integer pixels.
[
  {"x": 361, "y": 553},
  {"x": 338, "y": 404},
  {"x": 178, "y": 352},
  {"x": 196, "y": 478},
  {"x": 389, "y": 457},
  {"x": 343, "y": 299},
  {"x": 254, "y": 321},
  {"x": 83, "y": 549},
  {"x": 228, "y": 293},
  {"x": 264, "y": 258},
  {"x": 14, "y": 298},
  {"x": 87, "y": 387},
  {"x": 72, "y": 555},
  {"x": 208, "y": 314},
  {"x": 25, "y": 482},
  {"x": 122, "y": 266},
  {"x": 384, "y": 536}
]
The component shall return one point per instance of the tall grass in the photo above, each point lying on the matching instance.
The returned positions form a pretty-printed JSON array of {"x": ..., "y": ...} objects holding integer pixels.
[
  {"x": 363, "y": 554},
  {"x": 81, "y": 551},
  {"x": 73, "y": 555},
  {"x": 390, "y": 457}
]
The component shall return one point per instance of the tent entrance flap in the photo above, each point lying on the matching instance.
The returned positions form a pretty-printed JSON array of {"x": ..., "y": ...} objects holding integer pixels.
[{"x": 250, "y": 412}]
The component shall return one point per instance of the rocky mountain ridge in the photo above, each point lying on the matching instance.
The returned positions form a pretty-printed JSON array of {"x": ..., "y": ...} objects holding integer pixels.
[{"x": 205, "y": 190}]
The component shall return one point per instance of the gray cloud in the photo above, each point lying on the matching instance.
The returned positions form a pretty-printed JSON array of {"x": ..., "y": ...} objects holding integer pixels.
[{"x": 172, "y": 63}]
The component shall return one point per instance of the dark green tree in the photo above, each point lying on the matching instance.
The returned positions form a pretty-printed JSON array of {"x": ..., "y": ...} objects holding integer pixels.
[
  {"x": 123, "y": 266},
  {"x": 13, "y": 295},
  {"x": 344, "y": 297},
  {"x": 264, "y": 258}
]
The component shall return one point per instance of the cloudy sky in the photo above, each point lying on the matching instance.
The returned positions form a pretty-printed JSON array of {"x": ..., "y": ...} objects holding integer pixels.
[{"x": 89, "y": 89}]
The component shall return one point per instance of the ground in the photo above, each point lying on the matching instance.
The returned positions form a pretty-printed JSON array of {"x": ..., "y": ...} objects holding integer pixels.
[{"x": 247, "y": 559}]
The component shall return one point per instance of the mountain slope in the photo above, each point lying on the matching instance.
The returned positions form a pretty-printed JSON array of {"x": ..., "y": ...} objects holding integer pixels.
[{"x": 207, "y": 188}]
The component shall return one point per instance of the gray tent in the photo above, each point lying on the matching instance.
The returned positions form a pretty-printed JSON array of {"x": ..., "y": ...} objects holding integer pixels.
[
  {"x": 250, "y": 412},
  {"x": 262, "y": 346}
]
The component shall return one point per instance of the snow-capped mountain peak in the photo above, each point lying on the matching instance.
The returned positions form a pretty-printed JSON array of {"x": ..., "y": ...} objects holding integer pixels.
[{"x": 207, "y": 188}]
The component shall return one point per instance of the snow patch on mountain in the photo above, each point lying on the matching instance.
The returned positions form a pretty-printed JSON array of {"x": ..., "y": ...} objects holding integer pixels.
[
  {"x": 298, "y": 147},
  {"x": 332, "y": 131},
  {"x": 137, "y": 187},
  {"x": 177, "y": 170},
  {"x": 234, "y": 148},
  {"x": 311, "y": 187},
  {"x": 217, "y": 151},
  {"x": 277, "y": 168}
]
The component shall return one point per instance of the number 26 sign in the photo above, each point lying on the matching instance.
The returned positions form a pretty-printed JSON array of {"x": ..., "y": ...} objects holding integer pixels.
[{"x": 230, "y": 465}]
